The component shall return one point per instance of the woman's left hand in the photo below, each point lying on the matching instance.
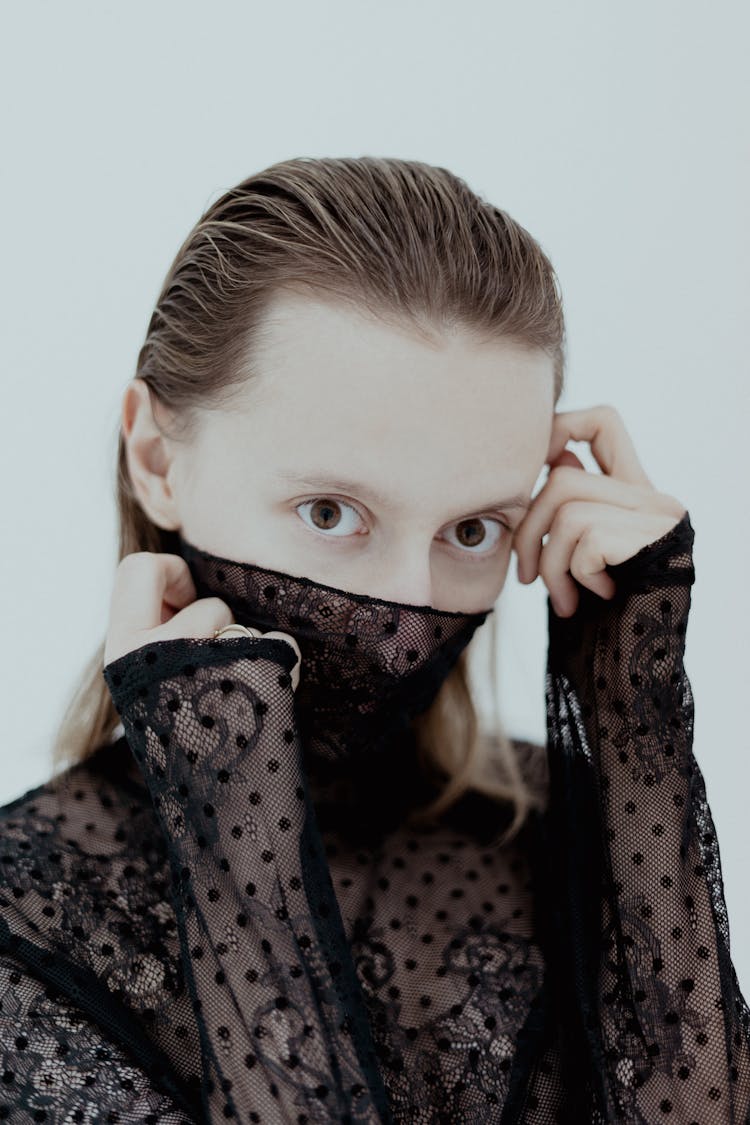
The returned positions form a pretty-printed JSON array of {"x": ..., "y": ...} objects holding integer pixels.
[{"x": 593, "y": 519}]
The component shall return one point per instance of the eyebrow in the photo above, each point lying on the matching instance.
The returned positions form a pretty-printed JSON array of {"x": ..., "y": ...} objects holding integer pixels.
[{"x": 323, "y": 481}]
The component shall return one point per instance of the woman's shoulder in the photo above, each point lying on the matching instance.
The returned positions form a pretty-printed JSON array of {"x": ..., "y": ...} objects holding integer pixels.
[
  {"x": 58, "y": 1056},
  {"x": 60, "y": 840},
  {"x": 106, "y": 777},
  {"x": 85, "y": 884}
]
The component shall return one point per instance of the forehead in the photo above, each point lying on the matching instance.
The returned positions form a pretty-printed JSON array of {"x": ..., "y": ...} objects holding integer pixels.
[{"x": 375, "y": 400}]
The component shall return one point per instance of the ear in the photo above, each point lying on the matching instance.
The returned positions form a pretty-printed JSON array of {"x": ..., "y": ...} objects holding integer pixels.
[{"x": 149, "y": 454}]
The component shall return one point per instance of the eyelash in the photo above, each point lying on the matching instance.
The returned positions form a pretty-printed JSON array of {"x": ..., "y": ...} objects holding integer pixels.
[{"x": 345, "y": 504}]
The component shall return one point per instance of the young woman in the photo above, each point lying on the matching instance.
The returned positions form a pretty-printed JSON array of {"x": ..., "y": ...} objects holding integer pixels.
[{"x": 300, "y": 883}]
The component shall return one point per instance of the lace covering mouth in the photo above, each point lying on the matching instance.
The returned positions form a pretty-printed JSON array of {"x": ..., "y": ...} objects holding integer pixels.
[{"x": 368, "y": 665}]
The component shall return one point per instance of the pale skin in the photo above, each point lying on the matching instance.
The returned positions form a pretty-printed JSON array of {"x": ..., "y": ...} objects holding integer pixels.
[{"x": 441, "y": 427}]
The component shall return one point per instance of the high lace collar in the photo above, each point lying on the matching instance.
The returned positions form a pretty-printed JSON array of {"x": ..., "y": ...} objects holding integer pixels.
[{"x": 368, "y": 665}]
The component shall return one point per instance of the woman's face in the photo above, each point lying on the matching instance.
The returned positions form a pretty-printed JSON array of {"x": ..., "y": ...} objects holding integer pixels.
[{"x": 359, "y": 455}]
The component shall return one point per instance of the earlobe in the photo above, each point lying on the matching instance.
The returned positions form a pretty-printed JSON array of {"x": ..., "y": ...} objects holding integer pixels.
[{"x": 148, "y": 457}]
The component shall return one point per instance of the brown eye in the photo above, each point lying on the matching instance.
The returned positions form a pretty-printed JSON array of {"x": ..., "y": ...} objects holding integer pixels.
[
  {"x": 472, "y": 532},
  {"x": 326, "y": 515}
]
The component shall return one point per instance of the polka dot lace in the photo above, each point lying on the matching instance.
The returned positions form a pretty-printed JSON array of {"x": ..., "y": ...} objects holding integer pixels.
[{"x": 218, "y": 918}]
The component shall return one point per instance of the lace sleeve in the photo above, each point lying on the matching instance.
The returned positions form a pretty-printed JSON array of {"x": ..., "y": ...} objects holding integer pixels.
[
  {"x": 57, "y": 1066},
  {"x": 657, "y": 1029},
  {"x": 282, "y": 1022}
]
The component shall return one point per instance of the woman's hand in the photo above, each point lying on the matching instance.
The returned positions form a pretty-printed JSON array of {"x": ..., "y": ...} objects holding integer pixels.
[
  {"x": 154, "y": 599},
  {"x": 593, "y": 520}
]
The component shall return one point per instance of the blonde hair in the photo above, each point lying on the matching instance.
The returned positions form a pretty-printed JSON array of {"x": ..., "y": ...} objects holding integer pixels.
[{"x": 409, "y": 242}]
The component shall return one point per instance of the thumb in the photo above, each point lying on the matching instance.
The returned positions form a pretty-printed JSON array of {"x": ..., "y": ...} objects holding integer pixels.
[
  {"x": 199, "y": 619},
  {"x": 567, "y": 457}
]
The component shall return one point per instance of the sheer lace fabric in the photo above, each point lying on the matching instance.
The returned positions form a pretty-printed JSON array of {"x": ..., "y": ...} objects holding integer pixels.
[
  {"x": 368, "y": 665},
  {"x": 216, "y": 919}
]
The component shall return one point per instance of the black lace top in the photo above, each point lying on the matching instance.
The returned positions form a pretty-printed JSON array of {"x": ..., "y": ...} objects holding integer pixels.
[{"x": 225, "y": 915}]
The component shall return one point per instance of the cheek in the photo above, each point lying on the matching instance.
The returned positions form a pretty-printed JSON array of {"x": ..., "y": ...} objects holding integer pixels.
[{"x": 487, "y": 587}]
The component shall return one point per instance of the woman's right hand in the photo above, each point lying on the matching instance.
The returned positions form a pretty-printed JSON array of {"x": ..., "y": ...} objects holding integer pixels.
[{"x": 154, "y": 599}]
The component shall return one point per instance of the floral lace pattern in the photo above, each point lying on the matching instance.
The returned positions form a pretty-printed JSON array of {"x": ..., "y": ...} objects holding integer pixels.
[
  {"x": 368, "y": 665},
  {"x": 206, "y": 922}
]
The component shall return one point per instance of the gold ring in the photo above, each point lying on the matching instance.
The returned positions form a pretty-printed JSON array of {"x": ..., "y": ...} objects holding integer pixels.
[{"x": 236, "y": 630}]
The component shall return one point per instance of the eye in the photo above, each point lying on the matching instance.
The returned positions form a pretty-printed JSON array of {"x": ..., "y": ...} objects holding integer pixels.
[
  {"x": 471, "y": 532},
  {"x": 325, "y": 512}
]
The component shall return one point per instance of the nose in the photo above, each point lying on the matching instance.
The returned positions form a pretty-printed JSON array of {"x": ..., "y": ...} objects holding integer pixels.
[{"x": 405, "y": 577}]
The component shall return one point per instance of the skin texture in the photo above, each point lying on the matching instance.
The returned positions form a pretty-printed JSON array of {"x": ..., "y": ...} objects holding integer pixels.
[{"x": 440, "y": 426}]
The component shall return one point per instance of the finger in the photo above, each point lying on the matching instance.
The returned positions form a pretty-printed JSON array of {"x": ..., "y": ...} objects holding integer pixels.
[
  {"x": 568, "y": 457},
  {"x": 295, "y": 673},
  {"x": 290, "y": 640},
  {"x": 604, "y": 429},
  {"x": 144, "y": 581},
  {"x": 567, "y": 556},
  {"x": 588, "y": 561},
  {"x": 199, "y": 619},
  {"x": 563, "y": 485}
]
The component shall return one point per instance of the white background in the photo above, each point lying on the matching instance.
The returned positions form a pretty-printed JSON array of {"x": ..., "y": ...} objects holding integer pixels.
[{"x": 616, "y": 133}]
